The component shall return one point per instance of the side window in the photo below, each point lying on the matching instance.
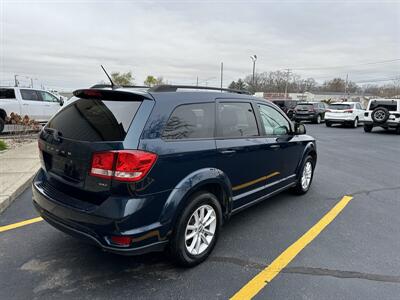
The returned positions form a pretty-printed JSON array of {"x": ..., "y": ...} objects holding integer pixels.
[
  {"x": 30, "y": 95},
  {"x": 358, "y": 106},
  {"x": 7, "y": 94},
  {"x": 274, "y": 123},
  {"x": 236, "y": 119},
  {"x": 48, "y": 97},
  {"x": 191, "y": 121}
]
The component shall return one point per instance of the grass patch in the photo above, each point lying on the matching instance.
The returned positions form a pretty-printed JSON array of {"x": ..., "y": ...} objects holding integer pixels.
[{"x": 3, "y": 145}]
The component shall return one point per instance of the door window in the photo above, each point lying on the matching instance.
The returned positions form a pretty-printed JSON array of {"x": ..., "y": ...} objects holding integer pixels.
[
  {"x": 47, "y": 97},
  {"x": 274, "y": 123},
  {"x": 236, "y": 119},
  {"x": 7, "y": 94},
  {"x": 30, "y": 95},
  {"x": 358, "y": 106},
  {"x": 191, "y": 121}
]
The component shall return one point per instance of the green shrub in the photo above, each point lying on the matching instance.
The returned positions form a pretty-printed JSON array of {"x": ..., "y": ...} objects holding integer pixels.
[{"x": 3, "y": 145}]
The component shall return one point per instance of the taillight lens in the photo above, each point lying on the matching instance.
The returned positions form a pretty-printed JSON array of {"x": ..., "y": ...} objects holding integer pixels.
[
  {"x": 349, "y": 111},
  {"x": 123, "y": 165},
  {"x": 133, "y": 165}
]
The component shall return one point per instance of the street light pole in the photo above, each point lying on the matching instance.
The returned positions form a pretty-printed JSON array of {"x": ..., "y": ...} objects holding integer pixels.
[
  {"x": 222, "y": 74},
  {"x": 254, "y": 59}
]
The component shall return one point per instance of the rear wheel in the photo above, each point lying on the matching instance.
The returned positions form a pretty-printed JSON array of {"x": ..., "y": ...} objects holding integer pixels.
[
  {"x": 355, "y": 123},
  {"x": 306, "y": 176},
  {"x": 368, "y": 128},
  {"x": 197, "y": 230},
  {"x": 318, "y": 119},
  {"x": 328, "y": 124},
  {"x": 2, "y": 122}
]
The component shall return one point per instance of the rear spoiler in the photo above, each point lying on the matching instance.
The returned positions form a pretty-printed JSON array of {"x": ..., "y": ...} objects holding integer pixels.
[{"x": 111, "y": 95}]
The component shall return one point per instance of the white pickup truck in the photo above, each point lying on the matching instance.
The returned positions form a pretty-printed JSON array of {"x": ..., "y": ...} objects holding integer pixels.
[{"x": 37, "y": 104}]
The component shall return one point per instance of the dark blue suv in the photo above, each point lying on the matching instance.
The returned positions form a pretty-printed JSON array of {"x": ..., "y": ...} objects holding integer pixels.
[{"x": 137, "y": 171}]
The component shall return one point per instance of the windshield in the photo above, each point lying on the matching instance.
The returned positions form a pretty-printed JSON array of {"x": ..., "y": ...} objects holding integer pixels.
[
  {"x": 304, "y": 106},
  {"x": 341, "y": 106}
]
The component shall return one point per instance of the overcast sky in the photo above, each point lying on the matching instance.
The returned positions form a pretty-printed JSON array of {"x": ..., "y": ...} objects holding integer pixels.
[{"x": 63, "y": 43}]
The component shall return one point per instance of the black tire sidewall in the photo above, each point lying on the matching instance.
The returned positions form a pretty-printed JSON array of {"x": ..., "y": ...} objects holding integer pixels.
[
  {"x": 299, "y": 185},
  {"x": 177, "y": 245},
  {"x": 2, "y": 123}
]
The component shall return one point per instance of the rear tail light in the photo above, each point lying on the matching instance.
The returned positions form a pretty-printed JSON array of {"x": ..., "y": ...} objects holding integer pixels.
[
  {"x": 123, "y": 165},
  {"x": 349, "y": 111}
]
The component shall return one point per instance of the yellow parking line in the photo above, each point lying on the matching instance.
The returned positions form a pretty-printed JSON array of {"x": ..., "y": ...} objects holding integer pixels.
[
  {"x": 20, "y": 224},
  {"x": 255, "y": 285}
]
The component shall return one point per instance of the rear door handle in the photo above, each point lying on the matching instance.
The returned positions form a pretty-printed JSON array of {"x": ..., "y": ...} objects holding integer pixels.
[{"x": 228, "y": 151}]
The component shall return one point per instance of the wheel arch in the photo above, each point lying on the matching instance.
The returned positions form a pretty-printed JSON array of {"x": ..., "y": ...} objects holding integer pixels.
[
  {"x": 209, "y": 179},
  {"x": 311, "y": 150}
]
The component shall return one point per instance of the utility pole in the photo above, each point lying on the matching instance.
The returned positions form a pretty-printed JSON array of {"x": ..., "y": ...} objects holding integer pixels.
[
  {"x": 222, "y": 74},
  {"x": 15, "y": 80},
  {"x": 197, "y": 81},
  {"x": 287, "y": 82},
  {"x": 345, "y": 86},
  {"x": 31, "y": 82}
]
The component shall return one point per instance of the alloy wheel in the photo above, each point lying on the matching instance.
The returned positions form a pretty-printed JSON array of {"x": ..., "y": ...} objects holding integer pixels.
[
  {"x": 200, "y": 229},
  {"x": 306, "y": 176}
]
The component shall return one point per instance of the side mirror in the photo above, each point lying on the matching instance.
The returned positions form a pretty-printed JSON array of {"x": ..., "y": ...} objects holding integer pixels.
[
  {"x": 61, "y": 101},
  {"x": 299, "y": 128}
]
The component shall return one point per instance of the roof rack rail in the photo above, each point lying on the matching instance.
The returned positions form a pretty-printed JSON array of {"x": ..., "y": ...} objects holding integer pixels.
[
  {"x": 174, "y": 88},
  {"x": 102, "y": 86}
]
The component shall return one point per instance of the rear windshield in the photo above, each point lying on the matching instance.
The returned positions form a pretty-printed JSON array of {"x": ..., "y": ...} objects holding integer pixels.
[
  {"x": 304, "y": 106},
  {"x": 7, "y": 94},
  {"x": 341, "y": 106},
  {"x": 389, "y": 105},
  {"x": 95, "y": 120}
]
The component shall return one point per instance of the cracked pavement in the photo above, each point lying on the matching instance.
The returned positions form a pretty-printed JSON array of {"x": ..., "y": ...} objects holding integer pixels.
[{"x": 355, "y": 257}]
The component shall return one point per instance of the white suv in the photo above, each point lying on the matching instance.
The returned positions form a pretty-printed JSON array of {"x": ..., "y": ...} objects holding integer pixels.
[
  {"x": 384, "y": 113},
  {"x": 347, "y": 113},
  {"x": 38, "y": 105}
]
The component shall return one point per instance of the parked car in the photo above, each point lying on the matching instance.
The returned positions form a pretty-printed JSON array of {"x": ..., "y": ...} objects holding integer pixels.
[
  {"x": 39, "y": 105},
  {"x": 136, "y": 172},
  {"x": 310, "y": 111},
  {"x": 384, "y": 113},
  {"x": 346, "y": 113},
  {"x": 287, "y": 106}
]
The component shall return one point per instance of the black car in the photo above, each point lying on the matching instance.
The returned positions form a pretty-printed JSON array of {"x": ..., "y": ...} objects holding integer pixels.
[
  {"x": 310, "y": 111},
  {"x": 287, "y": 106},
  {"x": 141, "y": 171}
]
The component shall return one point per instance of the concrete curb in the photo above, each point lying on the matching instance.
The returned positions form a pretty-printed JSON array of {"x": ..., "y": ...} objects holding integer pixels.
[{"x": 7, "y": 200}]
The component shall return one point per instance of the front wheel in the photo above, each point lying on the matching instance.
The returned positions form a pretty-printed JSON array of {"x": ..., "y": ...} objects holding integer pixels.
[
  {"x": 197, "y": 230},
  {"x": 306, "y": 176},
  {"x": 318, "y": 119},
  {"x": 2, "y": 123}
]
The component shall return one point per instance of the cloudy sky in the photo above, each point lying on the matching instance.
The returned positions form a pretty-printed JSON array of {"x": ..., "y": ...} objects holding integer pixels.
[{"x": 62, "y": 43}]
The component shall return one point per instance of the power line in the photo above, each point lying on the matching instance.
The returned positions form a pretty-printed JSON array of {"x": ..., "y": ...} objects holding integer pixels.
[{"x": 347, "y": 66}]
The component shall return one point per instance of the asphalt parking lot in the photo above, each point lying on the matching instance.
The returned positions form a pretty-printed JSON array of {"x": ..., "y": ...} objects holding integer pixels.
[{"x": 355, "y": 257}]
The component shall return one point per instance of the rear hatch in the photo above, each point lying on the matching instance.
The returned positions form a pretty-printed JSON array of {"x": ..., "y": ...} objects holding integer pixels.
[
  {"x": 98, "y": 121},
  {"x": 340, "y": 110},
  {"x": 304, "y": 108}
]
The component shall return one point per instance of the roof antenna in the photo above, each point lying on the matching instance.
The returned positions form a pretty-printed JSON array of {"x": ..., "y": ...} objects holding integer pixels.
[{"x": 113, "y": 85}]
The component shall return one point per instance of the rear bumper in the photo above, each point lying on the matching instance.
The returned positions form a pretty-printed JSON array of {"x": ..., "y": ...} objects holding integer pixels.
[
  {"x": 387, "y": 124},
  {"x": 96, "y": 229},
  {"x": 339, "y": 121},
  {"x": 299, "y": 117}
]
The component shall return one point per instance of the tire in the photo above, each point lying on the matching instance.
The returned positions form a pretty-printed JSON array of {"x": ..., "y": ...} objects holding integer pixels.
[
  {"x": 355, "y": 123},
  {"x": 380, "y": 115},
  {"x": 398, "y": 130},
  {"x": 368, "y": 128},
  {"x": 300, "y": 188},
  {"x": 318, "y": 120},
  {"x": 2, "y": 122},
  {"x": 328, "y": 124},
  {"x": 179, "y": 247}
]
